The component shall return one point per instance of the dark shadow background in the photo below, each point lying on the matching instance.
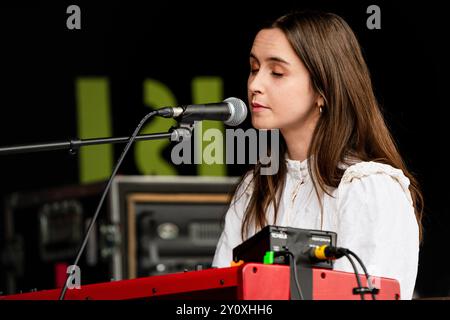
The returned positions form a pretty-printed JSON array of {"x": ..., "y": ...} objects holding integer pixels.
[{"x": 40, "y": 60}]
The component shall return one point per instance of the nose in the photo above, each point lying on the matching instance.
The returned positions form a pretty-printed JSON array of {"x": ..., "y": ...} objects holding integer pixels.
[{"x": 255, "y": 84}]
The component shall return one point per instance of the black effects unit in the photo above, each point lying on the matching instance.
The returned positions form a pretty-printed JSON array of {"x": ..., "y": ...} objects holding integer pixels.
[{"x": 300, "y": 242}]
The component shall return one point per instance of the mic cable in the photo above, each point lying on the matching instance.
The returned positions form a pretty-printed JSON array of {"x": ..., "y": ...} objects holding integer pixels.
[
  {"x": 293, "y": 265},
  {"x": 102, "y": 199},
  {"x": 326, "y": 252}
]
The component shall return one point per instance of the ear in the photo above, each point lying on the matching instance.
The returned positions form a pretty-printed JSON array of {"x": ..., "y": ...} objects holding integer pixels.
[{"x": 320, "y": 101}]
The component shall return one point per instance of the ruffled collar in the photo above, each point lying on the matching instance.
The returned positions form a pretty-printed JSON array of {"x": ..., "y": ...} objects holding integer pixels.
[{"x": 297, "y": 169}]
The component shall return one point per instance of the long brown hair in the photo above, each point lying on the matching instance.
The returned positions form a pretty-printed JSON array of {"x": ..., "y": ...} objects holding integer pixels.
[{"x": 351, "y": 124}]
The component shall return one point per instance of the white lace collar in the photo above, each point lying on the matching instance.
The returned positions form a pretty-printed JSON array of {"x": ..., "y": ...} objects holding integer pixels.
[{"x": 297, "y": 169}]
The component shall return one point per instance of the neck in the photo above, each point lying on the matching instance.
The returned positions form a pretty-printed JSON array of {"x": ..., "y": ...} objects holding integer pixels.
[
  {"x": 298, "y": 141},
  {"x": 297, "y": 146}
]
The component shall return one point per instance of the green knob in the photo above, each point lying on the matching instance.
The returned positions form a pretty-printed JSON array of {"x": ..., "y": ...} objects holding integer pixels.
[{"x": 268, "y": 257}]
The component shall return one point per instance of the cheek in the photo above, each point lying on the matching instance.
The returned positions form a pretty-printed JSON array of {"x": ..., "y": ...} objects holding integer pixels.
[{"x": 294, "y": 96}]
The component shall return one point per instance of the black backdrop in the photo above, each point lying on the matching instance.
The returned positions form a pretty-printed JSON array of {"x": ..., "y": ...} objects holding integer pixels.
[{"x": 176, "y": 41}]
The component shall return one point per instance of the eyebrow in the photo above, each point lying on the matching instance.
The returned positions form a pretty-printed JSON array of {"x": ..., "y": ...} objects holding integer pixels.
[{"x": 276, "y": 59}]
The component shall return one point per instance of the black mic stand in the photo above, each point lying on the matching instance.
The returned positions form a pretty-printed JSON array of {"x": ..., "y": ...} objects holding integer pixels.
[{"x": 183, "y": 131}]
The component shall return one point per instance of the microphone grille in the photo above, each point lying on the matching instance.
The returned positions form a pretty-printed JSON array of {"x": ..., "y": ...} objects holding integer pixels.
[{"x": 238, "y": 111}]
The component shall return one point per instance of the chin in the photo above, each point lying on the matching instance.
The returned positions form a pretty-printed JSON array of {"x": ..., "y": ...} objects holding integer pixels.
[{"x": 262, "y": 125}]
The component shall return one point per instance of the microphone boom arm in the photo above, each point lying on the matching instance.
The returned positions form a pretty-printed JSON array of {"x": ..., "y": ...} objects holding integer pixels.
[{"x": 75, "y": 144}]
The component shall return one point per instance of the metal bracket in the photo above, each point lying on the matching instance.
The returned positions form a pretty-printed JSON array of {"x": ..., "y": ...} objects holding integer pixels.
[{"x": 182, "y": 132}]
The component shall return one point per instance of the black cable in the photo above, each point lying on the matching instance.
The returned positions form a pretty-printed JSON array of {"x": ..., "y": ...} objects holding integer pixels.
[
  {"x": 293, "y": 266},
  {"x": 102, "y": 199},
  {"x": 358, "y": 279},
  {"x": 369, "y": 284}
]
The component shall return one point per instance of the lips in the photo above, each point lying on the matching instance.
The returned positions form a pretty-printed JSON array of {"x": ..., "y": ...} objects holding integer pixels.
[{"x": 258, "y": 106}]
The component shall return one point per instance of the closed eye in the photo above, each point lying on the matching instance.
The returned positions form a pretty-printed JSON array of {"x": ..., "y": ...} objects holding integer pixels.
[{"x": 276, "y": 74}]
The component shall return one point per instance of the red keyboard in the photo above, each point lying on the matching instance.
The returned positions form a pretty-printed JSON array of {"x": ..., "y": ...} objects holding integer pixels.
[{"x": 251, "y": 281}]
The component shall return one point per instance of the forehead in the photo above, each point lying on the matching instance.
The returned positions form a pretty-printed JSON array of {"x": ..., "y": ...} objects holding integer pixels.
[{"x": 272, "y": 42}]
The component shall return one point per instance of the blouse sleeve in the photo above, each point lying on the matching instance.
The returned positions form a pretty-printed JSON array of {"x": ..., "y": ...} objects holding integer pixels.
[
  {"x": 231, "y": 234},
  {"x": 376, "y": 221}
]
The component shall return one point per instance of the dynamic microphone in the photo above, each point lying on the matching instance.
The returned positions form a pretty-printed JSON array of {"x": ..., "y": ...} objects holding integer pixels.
[
  {"x": 232, "y": 111},
  {"x": 326, "y": 252}
]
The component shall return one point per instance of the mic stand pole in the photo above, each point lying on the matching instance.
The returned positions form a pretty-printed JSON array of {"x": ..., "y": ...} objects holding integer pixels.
[
  {"x": 183, "y": 131},
  {"x": 178, "y": 133}
]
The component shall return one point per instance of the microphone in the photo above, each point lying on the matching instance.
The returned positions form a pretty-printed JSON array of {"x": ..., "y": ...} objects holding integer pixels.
[
  {"x": 232, "y": 111},
  {"x": 326, "y": 252}
]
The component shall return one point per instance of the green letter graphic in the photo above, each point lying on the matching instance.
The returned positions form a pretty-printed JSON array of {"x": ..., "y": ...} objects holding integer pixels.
[
  {"x": 207, "y": 90},
  {"x": 148, "y": 154},
  {"x": 94, "y": 122}
]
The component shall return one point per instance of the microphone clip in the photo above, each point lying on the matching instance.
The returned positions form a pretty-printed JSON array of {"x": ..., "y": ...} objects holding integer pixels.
[{"x": 183, "y": 131}]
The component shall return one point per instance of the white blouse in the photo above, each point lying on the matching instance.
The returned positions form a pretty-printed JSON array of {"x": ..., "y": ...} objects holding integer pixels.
[{"x": 371, "y": 211}]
